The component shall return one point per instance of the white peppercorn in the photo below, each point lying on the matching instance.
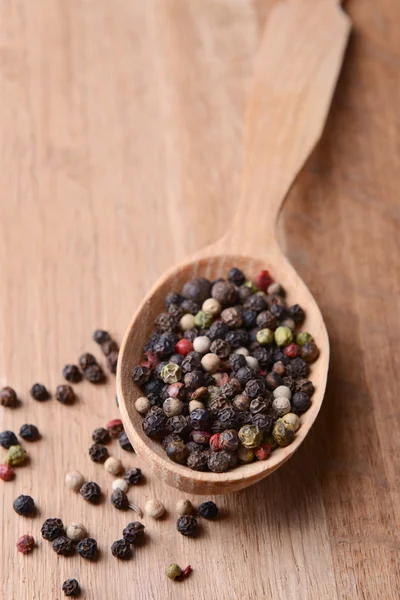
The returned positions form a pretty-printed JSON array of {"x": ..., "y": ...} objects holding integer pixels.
[
  {"x": 211, "y": 305},
  {"x": 201, "y": 344},
  {"x": 74, "y": 480},
  {"x": 154, "y": 509},
  {"x": 211, "y": 362},
  {"x": 241, "y": 350},
  {"x": 172, "y": 407},
  {"x": 76, "y": 532},
  {"x": 120, "y": 484},
  {"x": 184, "y": 507},
  {"x": 193, "y": 404},
  {"x": 186, "y": 322},
  {"x": 281, "y": 405},
  {"x": 142, "y": 405},
  {"x": 252, "y": 363},
  {"x": 282, "y": 390},
  {"x": 292, "y": 419},
  {"x": 289, "y": 323},
  {"x": 113, "y": 465}
]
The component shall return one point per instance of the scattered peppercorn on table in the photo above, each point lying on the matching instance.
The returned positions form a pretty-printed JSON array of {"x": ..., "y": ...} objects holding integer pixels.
[{"x": 121, "y": 149}]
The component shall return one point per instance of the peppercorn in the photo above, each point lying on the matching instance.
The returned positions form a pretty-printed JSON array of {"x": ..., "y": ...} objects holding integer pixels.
[
  {"x": 91, "y": 492},
  {"x": 305, "y": 385},
  {"x": 282, "y": 390},
  {"x": 259, "y": 405},
  {"x": 236, "y": 276},
  {"x": 263, "y": 452},
  {"x": 25, "y": 544},
  {"x": 266, "y": 320},
  {"x": 203, "y": 319},
  {"x": 100, "y": 336},
  {"x": 7, "y": 439},
  {"x": 172, "y": 298},
  {"x": 197, "y": 461},
  {"x": 165, "y": 322},
  {"x": 289, "y": 382},
  {"x": 115, "y": 427},
  {"x": 154, "y": 425},
  {"x": 283, "y": 433},
  {"x": 281, "y": 406},
  {"x": 121, "y": 549},
  {"x": 109, "y": 346},
  {"x": 231, "y": 388},
  {"x": 39, "y": 392},
  {"x": 177, "y": 452},
  {"x": 134, "y": 532},
  {"x": 142, "y": 405},
  {"x": 74, "y": 480},
  {"x": 229, "y": 440},
  {"x": 292, "y": 350},
  {"x": 15, "y": 456},
  {"x": 197, "y": 290},
  {"x": 309, "y": 352},
  {"x": 200, "y": 394},
  {"x": 200, "y": 419},
  {"x": 112, "y": 361},
  {"x": 250, "y": 436},
  {"x": 228, "y": 417},
  {"x": 263, "y": 421},
  {"x": 218, "y": 330},
  {"x": 256, "y": 303},
  {"x": 72, "y": 374},
  {"x": 65, "y": 394},
  {"x": 172, "y": 406},
  {"x": 255, "y": 387},
  {"x": 86, "y": 360},
  {"x": 76, "y": 532},
  {"x": 6, "y": 473},
  {"x": 63, "y": 546},
  {"x": 187, "y": 525},
  {"x": 232, "y": 316},
  {"x": 8, "y": 397},
  {"x": 124, "y": 442},
  {"x": 193, "y": 447},
  {"x": 29, "y": 433},
  {"x": 94, "y": 374},
  {"x": 52, "y": 528},
  {"x": 133, "y": 476},
  {"x": 245, "y": 455},
  {"x": 120, "y": 500},
  {"x": 224, "y": 292},
  {"x": 184, "y": 507},
  {"x": 300, "y": 402},
  {"x": 87, "y": 548},
  {"x": 101, "y": 436},
  {"x": 249, "y": 318},
  {"x": 273, "y": 380},
  {"x": 237, "y": 338},
  {"x": 297, "y": 313},
  {"x": 98, "y": 453},
  {"x": 173, "y": 571},
  {"x": 242, "y": 350},
  {"x": 244, "y": 374},
  {"x": 299, "y": 368},
  {"x": 113, "y": 465},
  {"x": 191, "y": 362},
  {"x": 218, "y": 462},
  {"x": 292, "y": 419},
  {"x": 71, "y": 587},
  {"x": 154, "y": 509},
  {"x": 217, "y": 426},
  {"x": 140, "y": 375},
  {"x": 208, "y": 510},
  {"x": 120, "y": 484},
  {"x": 237, "y": 361},
  {"x": 178, "y": 424},
  {"x": 241, "y": 402}
]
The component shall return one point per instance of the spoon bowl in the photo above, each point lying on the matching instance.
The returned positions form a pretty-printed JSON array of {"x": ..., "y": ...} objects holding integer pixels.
[{"x": 295, "y": 75}]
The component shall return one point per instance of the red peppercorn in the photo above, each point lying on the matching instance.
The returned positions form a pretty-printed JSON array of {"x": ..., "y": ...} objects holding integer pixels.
[
  {"x": 25, "y": 544},
  {"x": 6, "y": 473},
  {"x": 263, "y": 280},
  {"x": 115, "y": 427},
  {"x": 263, "y": 451},
  {"x": 183, "y": 347},
  {"x": 292, "y": 351},
  {"x": 214, "y": 442}
]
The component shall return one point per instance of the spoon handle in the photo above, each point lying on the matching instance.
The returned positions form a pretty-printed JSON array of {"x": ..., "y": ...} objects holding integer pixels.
[{"x": 296, "y": 71}]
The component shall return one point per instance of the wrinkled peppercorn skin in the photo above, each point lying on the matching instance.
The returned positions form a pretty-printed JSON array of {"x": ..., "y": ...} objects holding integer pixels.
[
  {"x": 121, "y": 549},
  {"x": 91, "y": 492},
  {"x": 208, "y": 510},
  {"x": 63, "y": 546},
  {"x": 87, "y": 548},
  {"x": 52, "y": 529},
  {"x": 187, "y": 525},
  {"x": 71, "y": 587}
]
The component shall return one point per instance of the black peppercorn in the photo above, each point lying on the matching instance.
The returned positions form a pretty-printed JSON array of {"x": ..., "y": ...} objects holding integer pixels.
[
  {"x": 188, "y": 306},
  {"x": 231, "y": 457},
  {"x": 249, "y": 318},
  {"x": 237, "y": 338},
  {"x": 39, "y": 392},
  {"x": 237, "y": 361},
  {"x": 218, "y": 462},
  {"x": 260, "y": 405},
  {"x": 65, "y": 394},
  {"x": 304, "y": 385},
  {"x": 24, "y": 505},
  {"x": 87, "y": 548},
  {"x": 208, "y": 510},
  {"x": 266, "y": 320},
  {"x": 109, "y": 347},
  {"x": 164, "y": 345},
  {"x": 241, "y": 402},
  {"x": 255, "y": 387},
  {"x": 262, "y": 421},
  {"x": 52, "y": 529},
  {"x": 187, "y": 525},
  {"x": 153, "y": 386},
  {"x": 7, "y": 439},
  {"x": 236, "y": 276},
  {"x": 165, "y": 322},
  {"x": 243, "y": 418},
  {"x": 256, "y": 302},
  {"x": 8, "y": 397},
  {"x": 71, "y": 587},
  {"x": 141, "y": 375},
  {"x": 232, "y": 316},
  {"x": 278, "y": 311},
  {"x": 177, "y": 451},
  {"x": 134, "y": 532},
  {"x": 228, "y": 417},
  {"x": 101, "y": 436},
  {"x": 245, "y": 374},
  {"x": 193, "y": 447},
  {"x": 193, "y": 380},
  {"x": 200, "y": 418},
  {"x": 200, "y": 437},
  {"x": 290, "y": 383},
  {"x": 154, "y": 425},
  {"x": 63, "y": 546},
  {"x": 244, "y": 292},
  {"x": 94, "y": 374},
  {"x": 191, "y": 362},
  {"x": 86, "y": 360},
  {"x": 178, "y": 424},
  {"x": 197, "y": 290},
  {"x": 221, "y": 348},
  {"x": 229, "y": 440},
  {"x": 273, "y": 380},
  {"x": 263, "y": 356},
  {"x": 309, "y": 352},
  {"x": 198, "y": 460},
  {"x": 112, "y": 361},
  {"x": 297, "y": 313},
  {"x": 300, "y": 402},
  {"x": 299, "y": 368},
  {"x": 30, "y": 433},
  {"x": 231, "y": 388},
  {"x": 191, "y": 334},
  {"x": 100, "y": 336},
  {"x": 98, "y": 453},
  {"x": 176, "y": 359},
  {"x": 218, "y": 330},
  {"x": 133, "y": 476},
  {"x": 119, "y": 499},
  {"x": 72, "y": 374},
  {"x": 149, "y": 347},
  {"x": 121, "y": 549},
  {"x": 217, "y": 426},
  {"x": 173, "y": 298},
  {"x": 91, "y": 492},
  {"x": 124, "y": 442},
  {"x": 172, "y": 437},
  {"x": 224, "y": 292}
]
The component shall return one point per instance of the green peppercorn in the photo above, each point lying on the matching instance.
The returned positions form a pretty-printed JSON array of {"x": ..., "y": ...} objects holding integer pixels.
[
  {"x": 250, "y": 436},
  {"x": 171, "y": 373},
  {"x": 283, "y": 336},
  {"x": 15, "y": 456},
  {"x": 265, "y": 336},
  {"x": 283, "y": 433},
  {"x": 173, "y": 571},
  {"x": 252, "y": 286},
  {"x": 245, "y": 455},
  {"x": 203, "y": 319},
  {"x": 303, "y": 337}
]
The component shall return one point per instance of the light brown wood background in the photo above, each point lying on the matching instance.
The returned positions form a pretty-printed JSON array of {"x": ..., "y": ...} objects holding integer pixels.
[{"x": 120, "y": 152}]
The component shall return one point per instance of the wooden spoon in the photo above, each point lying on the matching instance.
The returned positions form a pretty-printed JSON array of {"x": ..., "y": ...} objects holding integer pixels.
[{"x": 295, "y": 76}]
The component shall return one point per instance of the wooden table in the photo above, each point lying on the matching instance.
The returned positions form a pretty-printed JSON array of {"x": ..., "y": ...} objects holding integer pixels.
[{"x": 121, "y": 129}]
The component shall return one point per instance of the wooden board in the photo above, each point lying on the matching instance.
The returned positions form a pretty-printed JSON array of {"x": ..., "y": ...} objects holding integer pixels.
[{"x": 120, "y": 129}]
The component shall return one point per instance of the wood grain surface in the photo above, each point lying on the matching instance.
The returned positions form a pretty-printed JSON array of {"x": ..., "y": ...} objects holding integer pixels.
[{"x": 120, "y": 153}]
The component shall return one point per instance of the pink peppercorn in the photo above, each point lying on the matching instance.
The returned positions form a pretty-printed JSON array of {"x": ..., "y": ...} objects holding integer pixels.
[
  {"x": 292, "y": 350},
  {"x": 214, "y": 442},
  {"x": 115, "y": 427},
  {"x": 183, "y": 347},
  {"x": 25, "y": 544},
  {"x": 174, "y": 389},
  {"x": 6, "y": 473},
  {"x": 151, "y": 360},
  {"x": 263, "y": 280},
  {"x": 263, "y": 451},
  {"x": 222, "y": 380}
]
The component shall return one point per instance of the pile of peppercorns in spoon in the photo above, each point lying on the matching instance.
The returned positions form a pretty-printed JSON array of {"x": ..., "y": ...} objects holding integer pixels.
[{"x": 224, "y": 374}]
